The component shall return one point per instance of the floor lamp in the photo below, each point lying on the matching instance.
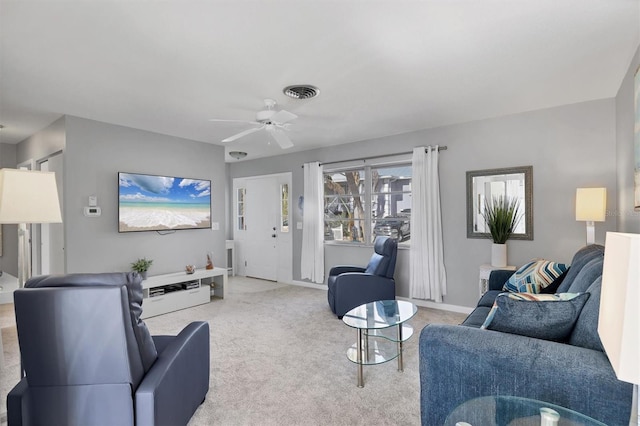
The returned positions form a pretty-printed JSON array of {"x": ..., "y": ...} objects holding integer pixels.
[
  {"x": 27, "y": 197},
  {"x": 619, "y": 318}
]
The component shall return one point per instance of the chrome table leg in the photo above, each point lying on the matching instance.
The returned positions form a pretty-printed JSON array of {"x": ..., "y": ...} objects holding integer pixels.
[
  {"x": 400, "y": 366},
  {"x": 359, "y": 358}
]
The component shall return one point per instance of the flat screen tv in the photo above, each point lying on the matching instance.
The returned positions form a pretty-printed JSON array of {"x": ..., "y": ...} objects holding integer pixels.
[{"x": 162, "y": 203}]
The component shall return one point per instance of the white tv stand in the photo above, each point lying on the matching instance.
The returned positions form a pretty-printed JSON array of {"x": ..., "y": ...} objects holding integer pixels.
[{"x": 167, "y": 292}]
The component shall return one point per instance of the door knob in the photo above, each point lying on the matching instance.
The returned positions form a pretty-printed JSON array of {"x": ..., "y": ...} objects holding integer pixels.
[{"x": 273, "y": 235}]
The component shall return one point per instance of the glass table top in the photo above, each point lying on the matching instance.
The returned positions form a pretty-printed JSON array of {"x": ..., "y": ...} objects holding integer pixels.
[
  {"x": 512, "y": 411},
  {"x": 380, "y": 314}
]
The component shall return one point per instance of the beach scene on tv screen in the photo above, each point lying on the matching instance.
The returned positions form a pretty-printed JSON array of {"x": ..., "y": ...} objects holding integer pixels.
[{"x": 150, "y": 203}]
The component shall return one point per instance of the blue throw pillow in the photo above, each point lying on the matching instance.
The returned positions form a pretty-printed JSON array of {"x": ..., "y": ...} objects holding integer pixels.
[
  {"x": 543, "y": 316},
  {"x": 534, "y": 276}
]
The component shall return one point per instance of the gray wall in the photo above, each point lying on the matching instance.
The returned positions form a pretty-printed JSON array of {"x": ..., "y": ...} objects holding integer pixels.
[
  {"x": 9, "y": 258},
  {"x": 43, "y": 144},
  {"x": 7, "y": 155},
  {"x": 95, "y": 152},
  {"x": 569, "y": 147},
  {"x": 628, "y": 219}
]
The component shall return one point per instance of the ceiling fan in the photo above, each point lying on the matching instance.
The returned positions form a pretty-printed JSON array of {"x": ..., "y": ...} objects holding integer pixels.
[{"x": 274, "y": 122}]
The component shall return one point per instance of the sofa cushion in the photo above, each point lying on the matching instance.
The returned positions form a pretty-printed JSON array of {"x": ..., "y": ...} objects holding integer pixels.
[
  {"x": 133, "y": 283},
  {"x": 533, "y": 276},
  {"x": 498, "y": 277},
  {"x": 543, "y": 316},
  {"x": 585, "y": 332},
  {"x": 587, "y": 276},
  {"x": 581, "y": 258}
]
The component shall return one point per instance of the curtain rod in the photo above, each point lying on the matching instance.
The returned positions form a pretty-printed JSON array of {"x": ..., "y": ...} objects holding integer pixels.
[{"x": 440, "y": 148}]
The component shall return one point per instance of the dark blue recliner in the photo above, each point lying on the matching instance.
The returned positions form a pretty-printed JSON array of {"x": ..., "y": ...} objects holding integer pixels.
[
  {"x": 90, "y": 360},
  {"x": 351, "y": 286}
]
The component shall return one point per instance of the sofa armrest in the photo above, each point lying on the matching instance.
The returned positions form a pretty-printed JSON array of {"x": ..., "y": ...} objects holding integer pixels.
[
  {"x": 353, "y": 289},
  {"x": 498, "y": 277},
  {"x": 341, "y": 269},
  {"x": 461, "y": 363},
  {"x": 15, "y": 399},
  {"x": 177, "y": 383}
]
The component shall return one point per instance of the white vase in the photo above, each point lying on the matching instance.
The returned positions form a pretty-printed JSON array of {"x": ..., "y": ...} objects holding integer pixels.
[{"x": 499, "y": 255}]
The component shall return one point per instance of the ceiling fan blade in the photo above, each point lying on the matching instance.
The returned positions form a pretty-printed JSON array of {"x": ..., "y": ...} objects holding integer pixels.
[
  {"x": 242, "y": 134},
  {"x": 280, "y": 137},
  {"x": 283, "y": 116},
  {"x": 220, "y": 120}
]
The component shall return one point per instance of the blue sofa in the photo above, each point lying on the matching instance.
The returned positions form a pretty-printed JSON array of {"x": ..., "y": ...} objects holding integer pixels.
[{"x": 459, "y": 363}]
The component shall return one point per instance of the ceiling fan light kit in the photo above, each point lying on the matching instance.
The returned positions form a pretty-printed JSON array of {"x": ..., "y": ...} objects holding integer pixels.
[{"x": 237, "y": 154}]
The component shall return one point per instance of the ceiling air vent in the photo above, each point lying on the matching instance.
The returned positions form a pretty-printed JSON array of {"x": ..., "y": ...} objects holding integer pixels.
[{"x": 301, "y": 91}]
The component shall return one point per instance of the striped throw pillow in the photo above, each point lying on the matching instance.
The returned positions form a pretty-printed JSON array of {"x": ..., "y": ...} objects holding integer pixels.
[{"x": 533, "y": 276}]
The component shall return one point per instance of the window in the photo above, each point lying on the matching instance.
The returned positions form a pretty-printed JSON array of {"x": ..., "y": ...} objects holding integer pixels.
[
  {"x": 242, "y": 226},
  {"x": 284, "y": 207},
  {"x": 363, "y": 203},
  {"x": 391, "y": 202},
  {"x": 344, "y": 210}
]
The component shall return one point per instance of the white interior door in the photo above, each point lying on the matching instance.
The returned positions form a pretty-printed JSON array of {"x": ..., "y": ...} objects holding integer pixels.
[
  {"x": 262, "y": 204},
  {"x": 51, "y": 259}
]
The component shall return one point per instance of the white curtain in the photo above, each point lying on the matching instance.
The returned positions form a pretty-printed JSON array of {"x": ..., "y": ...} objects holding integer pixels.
[
  {"x": 312, "y": 259},
  {"x": 426, "y": 267}
]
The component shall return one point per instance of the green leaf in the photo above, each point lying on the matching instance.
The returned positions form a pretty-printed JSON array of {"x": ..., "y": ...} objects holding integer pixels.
[
  {"x": 501, "y": 216},
  {"x": 141, "y": 265}
]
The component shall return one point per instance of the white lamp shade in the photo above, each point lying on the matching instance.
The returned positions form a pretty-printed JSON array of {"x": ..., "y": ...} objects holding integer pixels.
[
  {"x": 28, "y": 197},
  {"x": 591, "y": 204},
  {"x": 619, "y": 318}
]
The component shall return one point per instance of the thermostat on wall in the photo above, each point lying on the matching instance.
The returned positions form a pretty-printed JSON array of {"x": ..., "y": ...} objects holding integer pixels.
[{"x": 92, "y": 211}]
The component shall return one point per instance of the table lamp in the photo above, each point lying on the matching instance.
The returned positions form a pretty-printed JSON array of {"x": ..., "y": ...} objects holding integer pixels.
[
  {"x": 619, "y": 318},
  {"x": 591, "y": 206},
  {"x": 27, "y": 197}
]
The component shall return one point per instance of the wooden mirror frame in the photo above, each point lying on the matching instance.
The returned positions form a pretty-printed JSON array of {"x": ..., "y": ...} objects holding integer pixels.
[{"x": 528, "y": 197}]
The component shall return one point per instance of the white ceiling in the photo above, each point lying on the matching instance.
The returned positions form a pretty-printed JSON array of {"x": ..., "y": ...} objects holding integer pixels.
[{"x": 382, "y": 67}]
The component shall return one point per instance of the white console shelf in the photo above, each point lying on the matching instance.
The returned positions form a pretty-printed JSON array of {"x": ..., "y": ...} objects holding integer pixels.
[{"x": 168, "y": 292}]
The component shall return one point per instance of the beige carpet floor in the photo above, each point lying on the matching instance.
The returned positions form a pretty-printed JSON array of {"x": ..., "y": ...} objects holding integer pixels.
[{"x": 278, "y": 357}]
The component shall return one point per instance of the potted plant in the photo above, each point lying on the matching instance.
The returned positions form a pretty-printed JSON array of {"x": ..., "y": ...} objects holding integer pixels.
[
  {"x": 501, "y": 216},
  {"x": 141, "y": 266}
]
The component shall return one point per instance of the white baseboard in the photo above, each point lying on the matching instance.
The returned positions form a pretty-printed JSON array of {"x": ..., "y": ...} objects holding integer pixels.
[
  {"x": 417, "y": 302},
  {"x": 441, "y": 306}
]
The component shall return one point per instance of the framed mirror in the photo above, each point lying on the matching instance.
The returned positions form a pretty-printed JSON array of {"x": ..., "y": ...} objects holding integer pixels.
[{"x": 513, "y": 182}]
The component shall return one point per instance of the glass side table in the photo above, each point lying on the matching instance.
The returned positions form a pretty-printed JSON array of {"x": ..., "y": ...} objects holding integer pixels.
[
  {"x": 514, "y": 411},
  {"x": 381, "y": 332}
]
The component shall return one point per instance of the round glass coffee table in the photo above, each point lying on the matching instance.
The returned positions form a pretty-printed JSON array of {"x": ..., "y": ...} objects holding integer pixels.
[
  {"x": 514, "y": 411},
  {"x": 381, "y": 332}
]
